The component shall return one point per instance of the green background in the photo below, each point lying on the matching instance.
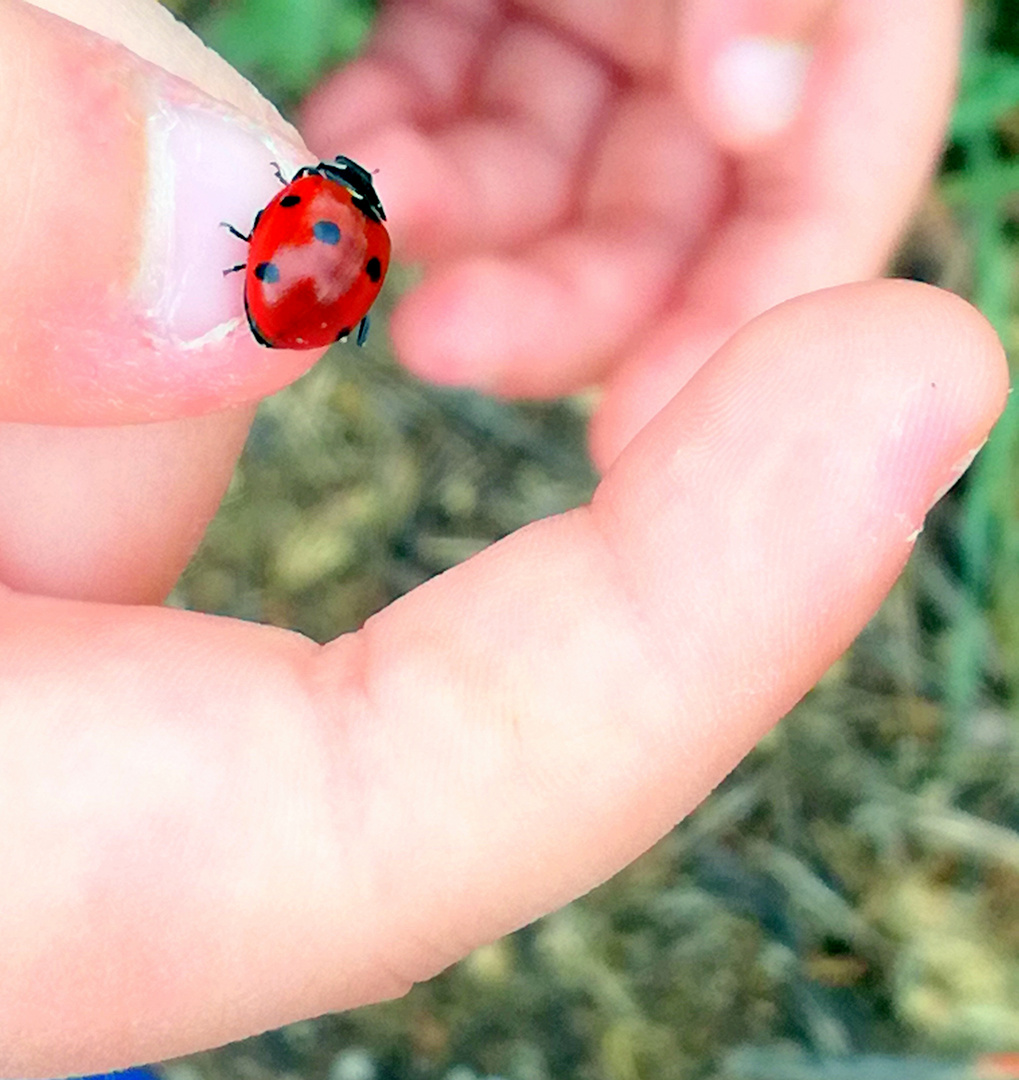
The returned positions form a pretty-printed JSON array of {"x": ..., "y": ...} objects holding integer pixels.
[{"x": 849, "y": 898}]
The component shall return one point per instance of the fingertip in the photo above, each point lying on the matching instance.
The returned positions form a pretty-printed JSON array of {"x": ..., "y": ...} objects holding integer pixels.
[
  {"x": 417, "y": 68},
  {"x": 536, "y": 74},
  {"x": 964, "y": 355},
  {"x": 548, "y": 322},
  {"x": 921, "y": 336},
  {"x": 477, "y": 185},
  {"x": 457, "y": 328},
  {"x": 984, "y": 355},
  {"x": 363, "y": 97},
  {"x": 930, "y": 365},
  {"x": 824, "y": 430},
  {"x": 743, "y": 68},
  {"x": 117, "y": 308}
]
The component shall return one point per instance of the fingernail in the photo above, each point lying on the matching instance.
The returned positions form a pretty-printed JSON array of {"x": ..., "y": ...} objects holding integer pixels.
[
  {"x": 207, "y": 163},
  {"x": 758, "y": 84}
]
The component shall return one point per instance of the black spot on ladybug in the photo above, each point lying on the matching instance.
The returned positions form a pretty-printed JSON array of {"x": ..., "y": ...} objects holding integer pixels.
[
  {"x": 290, "y": 200},
  {"x": 326, "y": 231},
  {"x": 373, "y": 268},
  {"x": 267, "y": 271},
  {"x": 343, "y": 334}
]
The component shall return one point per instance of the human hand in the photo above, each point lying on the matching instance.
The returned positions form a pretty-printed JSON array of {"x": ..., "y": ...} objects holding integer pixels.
[
  {"x": 212, "y": 827},
  {"x": 601, "y": 193}
]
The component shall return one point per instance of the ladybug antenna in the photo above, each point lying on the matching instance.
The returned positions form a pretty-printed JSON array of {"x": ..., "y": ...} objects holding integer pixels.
[{"x": 279, "y": 175}]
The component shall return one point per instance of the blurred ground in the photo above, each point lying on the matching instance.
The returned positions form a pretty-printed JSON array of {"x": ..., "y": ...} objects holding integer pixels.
[{"x": 852, "y": 891}]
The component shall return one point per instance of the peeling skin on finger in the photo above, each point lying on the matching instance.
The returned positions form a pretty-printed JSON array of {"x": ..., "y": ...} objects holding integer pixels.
[{"x": 955, "y": 475}]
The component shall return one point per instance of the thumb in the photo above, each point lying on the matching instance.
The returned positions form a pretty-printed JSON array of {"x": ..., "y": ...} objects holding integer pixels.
[
  {"x": 125, "y": 142},
  {"x": 117, "y": 175}
]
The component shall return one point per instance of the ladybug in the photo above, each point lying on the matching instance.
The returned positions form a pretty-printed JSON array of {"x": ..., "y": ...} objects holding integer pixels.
[{"x": 317, "y": 257}]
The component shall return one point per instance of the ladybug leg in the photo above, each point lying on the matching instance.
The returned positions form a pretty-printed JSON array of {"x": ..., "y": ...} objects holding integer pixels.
[
  {"x": 279, "y": 175},
  {"x": 362, "y": 330},
  {"x": 236, "y": 232},
  {"x": 240, "y": 236}
]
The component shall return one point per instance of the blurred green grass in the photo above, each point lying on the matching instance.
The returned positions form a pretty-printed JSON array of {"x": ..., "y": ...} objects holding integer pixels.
[{"x": 853, "y": 889}]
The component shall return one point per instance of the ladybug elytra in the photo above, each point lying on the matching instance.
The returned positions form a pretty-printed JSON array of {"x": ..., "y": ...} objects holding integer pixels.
[{"x": 317, "y": 257}]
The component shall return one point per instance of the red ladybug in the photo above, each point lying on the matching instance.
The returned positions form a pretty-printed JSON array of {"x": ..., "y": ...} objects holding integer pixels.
[{"x": 317, "y": 258}]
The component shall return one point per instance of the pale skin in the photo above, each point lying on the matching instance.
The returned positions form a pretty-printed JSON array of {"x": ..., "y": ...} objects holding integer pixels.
[{"x": 211, "y": 827}]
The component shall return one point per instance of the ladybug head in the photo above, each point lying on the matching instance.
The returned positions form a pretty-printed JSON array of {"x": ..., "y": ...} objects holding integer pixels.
[{"x": 359, "y": 180}]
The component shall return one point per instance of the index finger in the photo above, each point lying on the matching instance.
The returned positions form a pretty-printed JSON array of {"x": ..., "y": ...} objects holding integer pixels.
[{"x": 241, "y": 828}]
